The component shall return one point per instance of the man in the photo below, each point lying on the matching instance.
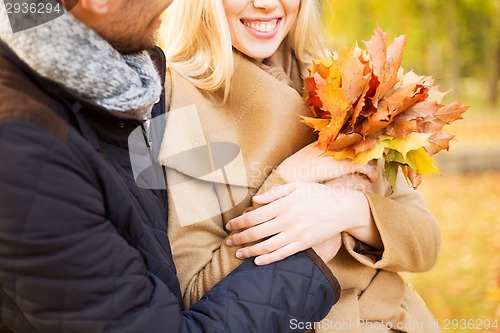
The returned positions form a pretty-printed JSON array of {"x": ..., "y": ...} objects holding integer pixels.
[{"x": 83, "y": 248}]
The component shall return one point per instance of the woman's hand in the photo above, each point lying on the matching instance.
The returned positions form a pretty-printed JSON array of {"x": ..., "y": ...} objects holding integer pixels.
[
  {"x": 299, "y": 216},
  {"x": 308, "y": 165}
]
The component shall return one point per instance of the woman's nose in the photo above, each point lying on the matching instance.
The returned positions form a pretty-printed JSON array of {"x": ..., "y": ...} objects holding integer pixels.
[{"x": 266, "y": 4}]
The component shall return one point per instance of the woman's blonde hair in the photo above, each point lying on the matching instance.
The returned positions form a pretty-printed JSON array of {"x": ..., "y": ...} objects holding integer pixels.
[{"x": 197, "y": 41}]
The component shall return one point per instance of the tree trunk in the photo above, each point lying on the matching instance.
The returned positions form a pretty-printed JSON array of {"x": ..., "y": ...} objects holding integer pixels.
[
  {"x": 452, "y": 63},
  {"x": 495, "y": 79}
]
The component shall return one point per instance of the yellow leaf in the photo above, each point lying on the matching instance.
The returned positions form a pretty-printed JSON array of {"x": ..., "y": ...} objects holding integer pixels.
[
  {"x": 344, "y": 141},
  {"x": 370, "y": 154},
  {"x": 410, "y": 142},
  {"x": 322, "y": 67},
  {"x": 341, "y": 155},
  {"x": 316, "y": 123},
  {"x": 420, "y": 161},
  {"x": 334, "y": 99}
]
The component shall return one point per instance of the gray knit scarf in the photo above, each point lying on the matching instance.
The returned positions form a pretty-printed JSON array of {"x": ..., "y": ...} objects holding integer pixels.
[{"x": 68, "y": 52}]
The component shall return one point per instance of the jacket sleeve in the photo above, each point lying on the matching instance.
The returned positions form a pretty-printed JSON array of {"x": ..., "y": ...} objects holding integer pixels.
[
  {"x": 65, "y": 268},
  {"x": 409, "y": 232}
]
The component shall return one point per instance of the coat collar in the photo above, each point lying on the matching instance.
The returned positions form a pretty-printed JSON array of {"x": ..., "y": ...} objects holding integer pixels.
[{"x": 259, "y": 107}]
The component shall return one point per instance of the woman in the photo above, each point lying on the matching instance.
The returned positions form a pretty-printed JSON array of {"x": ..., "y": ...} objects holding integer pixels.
[{"x": 236, "y": 69}]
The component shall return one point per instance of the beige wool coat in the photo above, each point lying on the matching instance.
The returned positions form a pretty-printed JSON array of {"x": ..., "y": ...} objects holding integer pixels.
[{"x": 218, "y": 157}]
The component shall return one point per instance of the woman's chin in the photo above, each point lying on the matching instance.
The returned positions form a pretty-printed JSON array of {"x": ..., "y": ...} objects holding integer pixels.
[{"x": 259, "y": 54}]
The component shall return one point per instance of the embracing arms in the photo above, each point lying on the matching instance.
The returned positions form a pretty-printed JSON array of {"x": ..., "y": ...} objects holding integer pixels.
[
  {"x": 397, "y": 226},
  {"x": 65, "y": 266}
]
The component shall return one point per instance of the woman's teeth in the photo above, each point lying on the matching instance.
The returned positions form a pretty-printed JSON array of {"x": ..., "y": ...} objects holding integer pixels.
[{"x": 262, "y": 26}]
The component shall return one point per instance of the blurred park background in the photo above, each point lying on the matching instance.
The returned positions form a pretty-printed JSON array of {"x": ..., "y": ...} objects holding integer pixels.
[{"x": 458, "y": 43}]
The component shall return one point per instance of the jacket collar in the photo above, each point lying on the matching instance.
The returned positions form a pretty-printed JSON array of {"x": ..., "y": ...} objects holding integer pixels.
[{"x": 61, "y": 93}]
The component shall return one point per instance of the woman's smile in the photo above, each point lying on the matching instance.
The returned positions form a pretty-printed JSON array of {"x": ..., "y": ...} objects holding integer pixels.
[
  {"x": 262, "y": 28},
  {"x": 258, "y": 28}
]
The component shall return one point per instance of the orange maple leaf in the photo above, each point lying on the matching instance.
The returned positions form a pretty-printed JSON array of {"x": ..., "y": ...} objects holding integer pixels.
[{"x": 365, "y": 108}]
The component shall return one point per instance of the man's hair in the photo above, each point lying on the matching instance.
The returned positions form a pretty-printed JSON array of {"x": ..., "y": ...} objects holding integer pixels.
[{"x": 197, "y": 42}]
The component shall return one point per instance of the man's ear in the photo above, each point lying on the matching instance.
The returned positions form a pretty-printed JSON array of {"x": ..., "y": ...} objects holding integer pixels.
[{"x": 99, "y": 7}]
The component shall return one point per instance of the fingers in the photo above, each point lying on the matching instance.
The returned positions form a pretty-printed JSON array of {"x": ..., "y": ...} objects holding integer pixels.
[
  {"x": 255, "y": 233},
  {"x": 310, "y": 165},
  {"x": 369, "y": 170},
  {"x": 276, "y": 248},
  {"x": 275, "y": 193},
  {"x": 313, "y": 169},
  {"x": 279, "y": 254},
  {"x": 265, "y": 247},
  {"x": 355, "y": 176},
  {"x": 355, "y": 181},
  {"x": 255, "y": 217}
]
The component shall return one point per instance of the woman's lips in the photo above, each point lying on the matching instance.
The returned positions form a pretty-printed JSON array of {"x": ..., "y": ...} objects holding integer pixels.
[{"x": 262, "y": 28}]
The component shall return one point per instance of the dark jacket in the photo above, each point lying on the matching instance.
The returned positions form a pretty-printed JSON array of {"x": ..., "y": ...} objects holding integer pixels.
[{"x": 83, "y": 248}]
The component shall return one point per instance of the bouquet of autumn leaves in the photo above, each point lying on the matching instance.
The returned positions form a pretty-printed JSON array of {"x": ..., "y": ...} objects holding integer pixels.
[{"x": 365, "y": 107}]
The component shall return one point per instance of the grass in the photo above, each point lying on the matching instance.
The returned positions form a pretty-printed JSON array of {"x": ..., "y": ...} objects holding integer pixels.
[{"x": 465, "y": 283}]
